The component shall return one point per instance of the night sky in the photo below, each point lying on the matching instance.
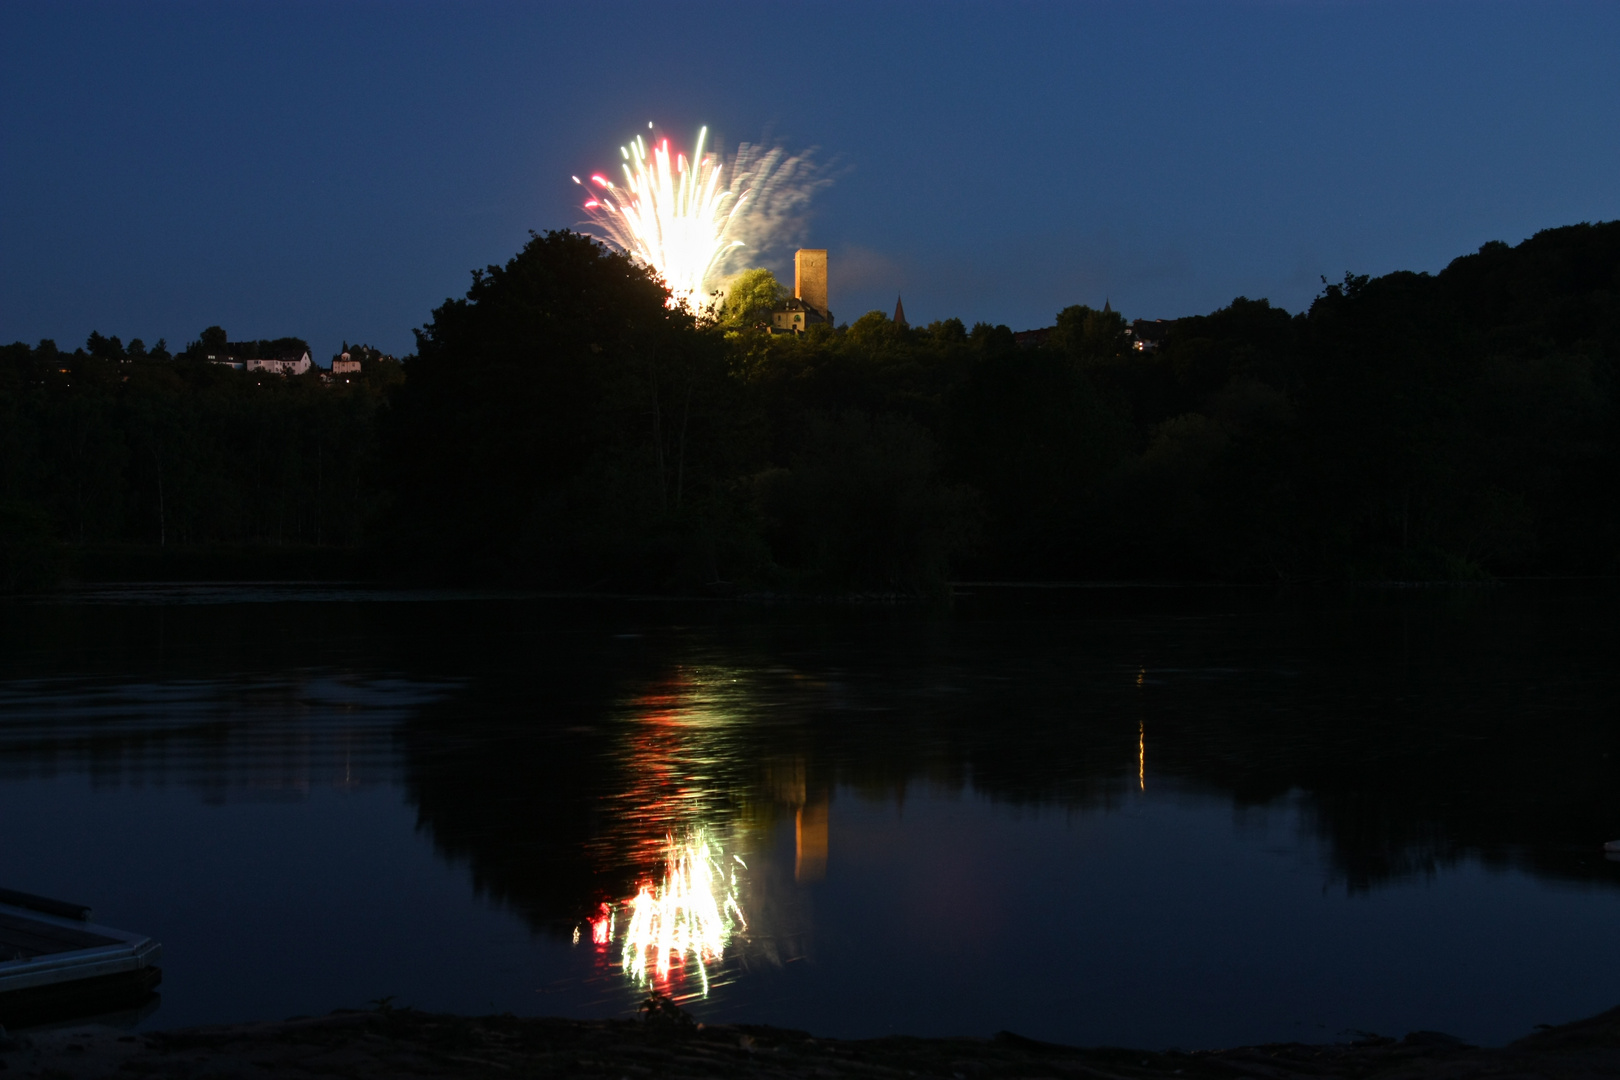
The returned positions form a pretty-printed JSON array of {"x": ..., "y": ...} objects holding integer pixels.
[{"x": 335, "y": 170}]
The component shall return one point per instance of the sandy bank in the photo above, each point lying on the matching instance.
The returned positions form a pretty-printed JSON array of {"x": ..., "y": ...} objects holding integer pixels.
[{"x": 407, "y": 1043}]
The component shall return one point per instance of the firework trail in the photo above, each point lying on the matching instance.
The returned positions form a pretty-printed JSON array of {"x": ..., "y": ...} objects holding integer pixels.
[{"x": 689, "y": 218}]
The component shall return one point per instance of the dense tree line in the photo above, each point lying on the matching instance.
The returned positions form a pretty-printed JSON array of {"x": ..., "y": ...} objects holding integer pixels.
[
  {"x": 121, "y": 445},
  {"x": 561, "y": 426},
  {"x": 1413, "y": 426}
]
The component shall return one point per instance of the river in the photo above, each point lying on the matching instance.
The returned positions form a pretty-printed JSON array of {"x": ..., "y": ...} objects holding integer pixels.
[{"x": 1134, "y": 816}]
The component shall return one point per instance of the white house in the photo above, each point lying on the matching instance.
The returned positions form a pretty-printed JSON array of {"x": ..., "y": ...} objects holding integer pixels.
[{"x": 286, "y": 365}]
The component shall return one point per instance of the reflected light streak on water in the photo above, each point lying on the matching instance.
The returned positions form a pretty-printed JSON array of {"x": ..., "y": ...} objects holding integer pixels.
[
  {"x": 680, "y": 766},
  {"x": 690, "y": 916},
  {"x": 1141, "y": 756},
  {"x": 679, "y": 761},
  {"x": 684, "y": 916}
]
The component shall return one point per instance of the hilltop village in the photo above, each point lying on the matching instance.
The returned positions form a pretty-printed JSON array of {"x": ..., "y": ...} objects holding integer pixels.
[
  {"x": 806, "y": 307},
  {"x": 278, "y": 356}
]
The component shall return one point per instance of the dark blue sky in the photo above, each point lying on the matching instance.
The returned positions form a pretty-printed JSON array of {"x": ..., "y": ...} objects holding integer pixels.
[{"x": 334, "y": 170}]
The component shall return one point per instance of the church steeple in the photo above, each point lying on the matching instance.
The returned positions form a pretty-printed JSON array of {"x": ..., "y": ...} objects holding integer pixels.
[{"x": 899, "y": 312}]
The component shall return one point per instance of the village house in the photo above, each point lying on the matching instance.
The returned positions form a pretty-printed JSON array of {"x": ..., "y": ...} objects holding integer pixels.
[
  {"x": 1148, "y": 334},
  {"x": 794, "y": 316},
  {"x": 1033, "y": 339},
  {"x": 283, "y": 365}
]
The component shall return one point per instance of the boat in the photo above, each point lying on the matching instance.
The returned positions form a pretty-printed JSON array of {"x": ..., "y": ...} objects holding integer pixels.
[{"x": 57, "y": 964}]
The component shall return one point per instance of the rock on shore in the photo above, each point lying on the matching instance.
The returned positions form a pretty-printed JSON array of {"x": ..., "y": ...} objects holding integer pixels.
[{"x": 406, "y": 1043}]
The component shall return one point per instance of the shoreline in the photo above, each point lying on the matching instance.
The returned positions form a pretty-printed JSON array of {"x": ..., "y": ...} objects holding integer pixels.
[{"x": 406, "y": 1043}]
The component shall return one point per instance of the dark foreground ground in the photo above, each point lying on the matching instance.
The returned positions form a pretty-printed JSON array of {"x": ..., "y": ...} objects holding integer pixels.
[{"x": 406, "y": 1043}]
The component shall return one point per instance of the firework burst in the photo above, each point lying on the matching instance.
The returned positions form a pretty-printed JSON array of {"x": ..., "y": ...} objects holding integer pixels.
[{"x": 688, "y": 217}]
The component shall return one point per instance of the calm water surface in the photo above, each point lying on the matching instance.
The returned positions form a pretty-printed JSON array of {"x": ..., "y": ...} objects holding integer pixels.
[{"x": 1143, "y": 817}]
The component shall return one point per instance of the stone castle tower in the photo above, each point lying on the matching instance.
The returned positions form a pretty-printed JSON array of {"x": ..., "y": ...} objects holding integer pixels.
[{"x": 810, "y": 279}]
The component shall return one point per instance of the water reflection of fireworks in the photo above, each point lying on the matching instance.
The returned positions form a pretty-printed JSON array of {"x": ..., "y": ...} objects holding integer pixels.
[{"x": 689, "y": 917}]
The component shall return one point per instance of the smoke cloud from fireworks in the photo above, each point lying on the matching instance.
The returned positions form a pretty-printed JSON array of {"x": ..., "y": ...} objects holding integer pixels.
[{"x": 696, "y": 220}]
